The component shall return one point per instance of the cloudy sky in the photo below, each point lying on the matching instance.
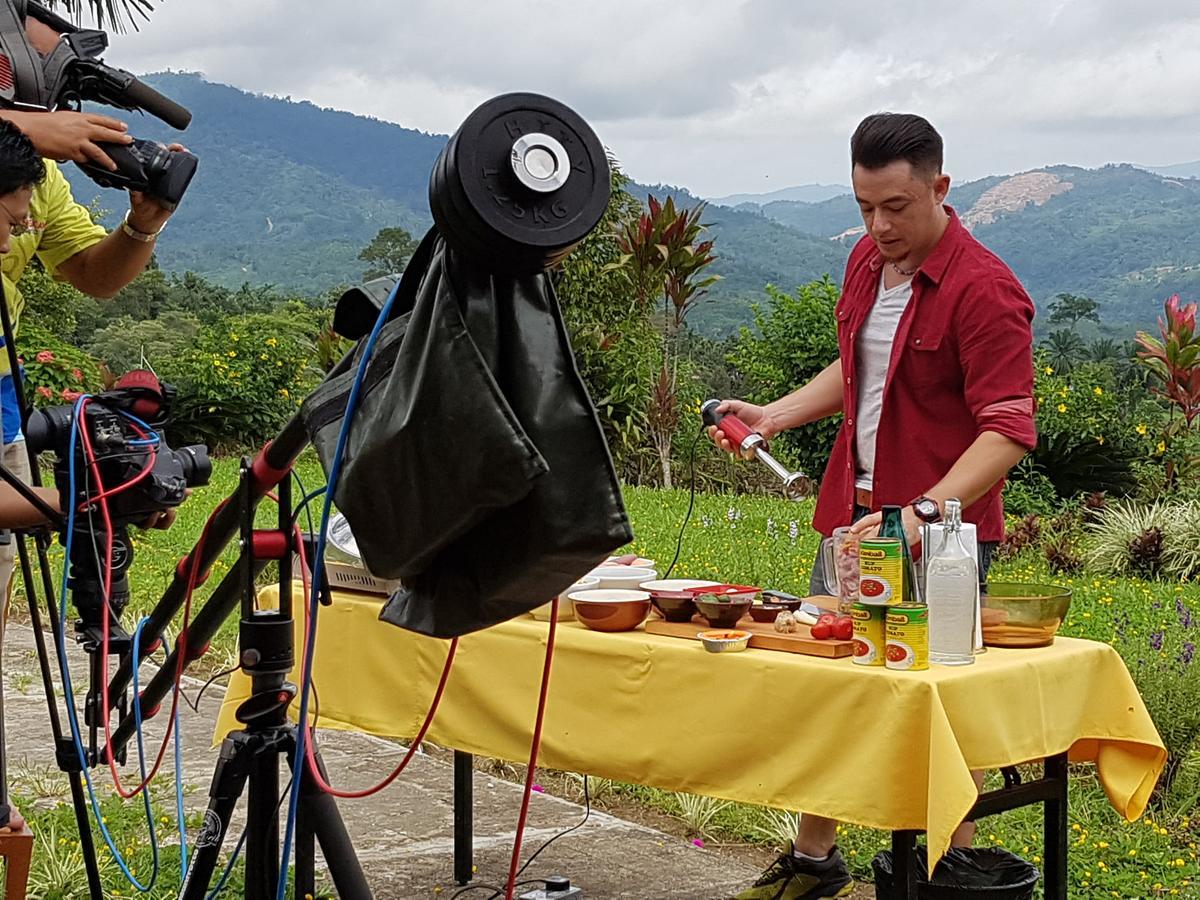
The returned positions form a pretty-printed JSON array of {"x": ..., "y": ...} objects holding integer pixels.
[{"x": 728, "y": 96}]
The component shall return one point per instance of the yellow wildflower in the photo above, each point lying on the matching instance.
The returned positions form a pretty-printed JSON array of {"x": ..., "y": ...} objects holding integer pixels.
[
  {"x": 1062, "y": 407},
  {"x": 1141, "y": 428},
  {"x": 1098, "y": 391}
]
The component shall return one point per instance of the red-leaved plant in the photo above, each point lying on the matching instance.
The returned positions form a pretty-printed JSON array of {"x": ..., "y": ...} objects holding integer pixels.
[{"x": 1173, "y": 359}]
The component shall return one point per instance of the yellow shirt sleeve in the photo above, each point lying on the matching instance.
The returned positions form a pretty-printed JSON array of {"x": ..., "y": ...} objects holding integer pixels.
[
  {"x": 68, "y": 227},
  {"x": 62, "y": 228}
]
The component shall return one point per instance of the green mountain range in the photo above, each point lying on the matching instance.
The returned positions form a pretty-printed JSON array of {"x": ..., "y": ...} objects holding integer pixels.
[{"x": 288, "y": 193}]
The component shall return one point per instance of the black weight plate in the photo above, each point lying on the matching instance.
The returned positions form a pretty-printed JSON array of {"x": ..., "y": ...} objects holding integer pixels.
[
  {"x": 459, "y": 231},
  {"x": 449, "y": 219},
  {"x": 469, "y": 234},
  {"x": 554, "y": 220},
  {"x": 500, "y": 247}
]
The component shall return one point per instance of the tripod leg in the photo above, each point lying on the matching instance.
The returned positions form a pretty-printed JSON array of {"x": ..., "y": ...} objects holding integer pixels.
[
  {"x": 262, "y": 828},
  {"x": 64, "y": 747},
  {"x": 233, "y": 768},
  {"x": 321, "y": 812},
  {"x": 306, "y": 876}
]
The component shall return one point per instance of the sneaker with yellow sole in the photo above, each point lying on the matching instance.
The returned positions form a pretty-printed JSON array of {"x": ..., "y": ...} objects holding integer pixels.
[{"x": 789, "y": 878}]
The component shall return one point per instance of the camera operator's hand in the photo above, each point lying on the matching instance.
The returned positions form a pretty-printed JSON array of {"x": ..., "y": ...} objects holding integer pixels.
[
  {"x": 65, "y": 134},
  {"x": 146, "y": 214}
]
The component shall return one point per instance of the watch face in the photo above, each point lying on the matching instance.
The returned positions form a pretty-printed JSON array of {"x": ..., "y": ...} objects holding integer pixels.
[{"x": 927, "y": 509}]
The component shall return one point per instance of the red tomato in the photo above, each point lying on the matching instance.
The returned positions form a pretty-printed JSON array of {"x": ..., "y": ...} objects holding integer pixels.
[
  {"x": 826, "y": 619},
  {"x": 843, "y": 628},
  {"x": 822, "y": 631}
]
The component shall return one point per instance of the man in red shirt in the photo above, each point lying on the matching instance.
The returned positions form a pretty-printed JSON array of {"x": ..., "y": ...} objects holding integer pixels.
[{"x": 935, "y": 378}]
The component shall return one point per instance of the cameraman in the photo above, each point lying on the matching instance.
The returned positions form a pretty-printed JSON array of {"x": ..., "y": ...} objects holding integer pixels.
[{"x": 34, "y": 203}]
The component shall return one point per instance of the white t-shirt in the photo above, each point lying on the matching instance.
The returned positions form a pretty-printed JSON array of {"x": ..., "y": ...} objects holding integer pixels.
[{"x": 874, "y": 354}]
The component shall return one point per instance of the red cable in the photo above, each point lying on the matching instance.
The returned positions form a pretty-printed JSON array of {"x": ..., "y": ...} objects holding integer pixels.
[
  {"x": 104, "y": 495},
  {"x": 105, "y": 616},
  {"x": 310, "y": 754},
  {"x": 533, "y": 754}
]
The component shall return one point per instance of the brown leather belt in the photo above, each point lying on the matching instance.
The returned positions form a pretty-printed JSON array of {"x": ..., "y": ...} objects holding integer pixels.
[{"x": 862, "y": 497}]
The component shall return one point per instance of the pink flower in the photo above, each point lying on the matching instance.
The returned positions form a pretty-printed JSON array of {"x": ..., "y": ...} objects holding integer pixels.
[
  {"x": 77, "y": 374},
  {"x": 46, "y": 392},
  {"x": 536, "y": 788},
  {"x": 71, "y": 396},
  {"x": 696, "y": 842},
  {"x": 44, "y": 356}
]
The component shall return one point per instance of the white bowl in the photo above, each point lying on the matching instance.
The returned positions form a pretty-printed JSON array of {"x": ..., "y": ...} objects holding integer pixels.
[{"x": 621, "y": 577}]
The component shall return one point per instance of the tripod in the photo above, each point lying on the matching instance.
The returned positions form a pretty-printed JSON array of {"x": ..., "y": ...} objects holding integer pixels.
[{"x": 251, "y": 757}]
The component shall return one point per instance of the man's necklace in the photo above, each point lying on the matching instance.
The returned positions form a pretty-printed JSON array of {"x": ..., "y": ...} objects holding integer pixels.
[{"x": 907, "y": 273}]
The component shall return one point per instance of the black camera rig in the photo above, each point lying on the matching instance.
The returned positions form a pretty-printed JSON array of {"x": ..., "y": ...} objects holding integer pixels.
[
  {"x": 74, "y": 72},
  {"x": 112, "y": 447}
]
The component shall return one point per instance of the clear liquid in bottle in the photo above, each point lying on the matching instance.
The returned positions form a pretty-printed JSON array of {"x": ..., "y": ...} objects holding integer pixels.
[{"x": 951, "y": 590}]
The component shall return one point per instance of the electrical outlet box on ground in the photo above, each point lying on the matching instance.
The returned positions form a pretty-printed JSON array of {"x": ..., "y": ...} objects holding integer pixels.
[{"x": 555, "y": 888}]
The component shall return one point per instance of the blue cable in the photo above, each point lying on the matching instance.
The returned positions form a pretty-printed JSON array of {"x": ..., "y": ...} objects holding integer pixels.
[
  {"x": 137, "y": 718},
  {"x": 318, "y": 571},
  {"x": 136, "y": 421},
  {"x": 60, "y": 639},
  {"x": 228, "y": 867}
]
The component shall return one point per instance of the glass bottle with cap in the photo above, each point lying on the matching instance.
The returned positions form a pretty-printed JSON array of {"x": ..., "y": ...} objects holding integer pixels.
[{"x": 952, "y": 592}]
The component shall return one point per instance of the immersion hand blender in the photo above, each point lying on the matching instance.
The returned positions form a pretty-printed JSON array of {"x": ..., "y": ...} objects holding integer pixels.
[{"x": 795, "y": 484}]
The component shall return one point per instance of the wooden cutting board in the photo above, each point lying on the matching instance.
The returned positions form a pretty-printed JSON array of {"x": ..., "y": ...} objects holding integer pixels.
[{"x": 762, "y": 636}]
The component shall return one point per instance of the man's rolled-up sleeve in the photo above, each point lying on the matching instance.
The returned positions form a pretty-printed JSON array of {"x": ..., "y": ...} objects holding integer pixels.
[{"x": 996, "y": 352}]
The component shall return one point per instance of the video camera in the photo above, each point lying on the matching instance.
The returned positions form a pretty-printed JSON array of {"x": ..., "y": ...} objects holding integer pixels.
[
  {"x": 74, "y": 72},
  {"x": 116, "y": 452}
]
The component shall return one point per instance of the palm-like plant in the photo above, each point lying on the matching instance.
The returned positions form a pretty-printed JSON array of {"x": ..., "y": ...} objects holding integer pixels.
[
  {"x": 113, "y": 14},
  {"x": 1064, "y": 350}
]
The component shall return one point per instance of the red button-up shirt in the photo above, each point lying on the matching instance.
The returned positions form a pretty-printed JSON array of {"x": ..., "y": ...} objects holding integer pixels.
[{"x": 961, "y": 364}]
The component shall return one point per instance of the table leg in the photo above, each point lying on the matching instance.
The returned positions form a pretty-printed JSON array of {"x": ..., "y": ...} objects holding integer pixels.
[
  {"x": 464, "y": 817},
  {"x": 1055, "y": 828},
  {"x": 904, "y": 869}
]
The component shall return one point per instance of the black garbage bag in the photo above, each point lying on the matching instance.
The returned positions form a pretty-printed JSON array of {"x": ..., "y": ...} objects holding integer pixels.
[
  {"x": 988, "y": 872},
  {"x": 476, "y": 470}
]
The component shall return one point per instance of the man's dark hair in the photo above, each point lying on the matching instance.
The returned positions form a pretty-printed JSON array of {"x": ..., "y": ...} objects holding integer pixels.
[
  {"x": 885, "y": 138},
  {"x": 20, "y": 164}
]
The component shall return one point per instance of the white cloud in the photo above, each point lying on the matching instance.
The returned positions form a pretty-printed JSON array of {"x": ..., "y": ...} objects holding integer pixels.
[{"x": 727, "y": 96}]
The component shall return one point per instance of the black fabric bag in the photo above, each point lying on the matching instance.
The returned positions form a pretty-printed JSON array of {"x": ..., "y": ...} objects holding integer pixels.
[{"x": 476, "y": 470}]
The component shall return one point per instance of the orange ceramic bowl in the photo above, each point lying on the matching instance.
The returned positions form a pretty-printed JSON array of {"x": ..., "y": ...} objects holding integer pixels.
[{"x": 611, "y": 609}]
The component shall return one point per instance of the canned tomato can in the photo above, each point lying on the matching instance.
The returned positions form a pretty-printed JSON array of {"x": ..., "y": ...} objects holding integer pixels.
[
  {"x": 869, "y": 639},
  {"x": 907, "y": 631},
  {"x": 881, "y": 572}
]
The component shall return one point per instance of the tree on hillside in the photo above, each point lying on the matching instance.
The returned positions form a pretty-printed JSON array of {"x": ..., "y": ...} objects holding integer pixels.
[
  {"x": 388, "y": 253},
  {"x": 1071, "y": 309}
]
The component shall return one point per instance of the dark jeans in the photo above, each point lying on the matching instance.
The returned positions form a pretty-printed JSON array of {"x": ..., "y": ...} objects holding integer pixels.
[{"x": 816, "y": 582}]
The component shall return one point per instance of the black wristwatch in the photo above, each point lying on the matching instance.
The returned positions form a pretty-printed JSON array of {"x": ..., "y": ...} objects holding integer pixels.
[{"x": 927, "y": 510}]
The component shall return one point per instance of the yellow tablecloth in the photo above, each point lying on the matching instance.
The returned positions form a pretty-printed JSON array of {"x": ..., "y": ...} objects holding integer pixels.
[{"x": 879, "y": 748}]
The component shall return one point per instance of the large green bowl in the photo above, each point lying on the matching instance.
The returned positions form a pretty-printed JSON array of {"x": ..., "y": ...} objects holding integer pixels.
[{"x": 1023, "y": 615}]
